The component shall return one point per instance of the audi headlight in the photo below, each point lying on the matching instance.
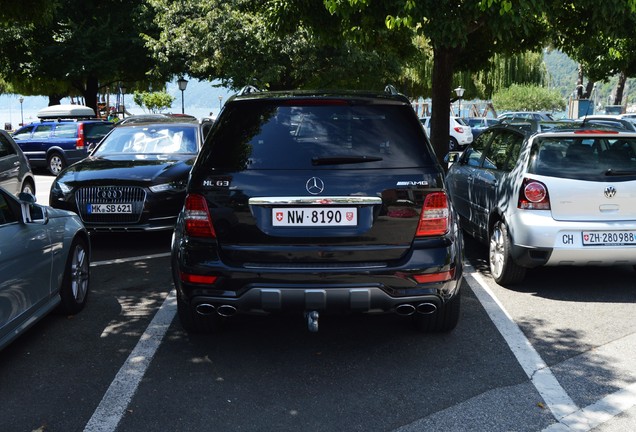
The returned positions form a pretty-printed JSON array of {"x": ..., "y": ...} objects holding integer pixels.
[
  {"x": 62, "y": 187},
  {"x": 175, "y": 186}
]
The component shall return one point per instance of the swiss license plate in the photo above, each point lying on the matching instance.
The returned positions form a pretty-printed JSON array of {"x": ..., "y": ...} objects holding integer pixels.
[
  {"x": 609, "y": 238},
  {"x": 108, "y": 208},
  {"x": 315, "y": 216}
]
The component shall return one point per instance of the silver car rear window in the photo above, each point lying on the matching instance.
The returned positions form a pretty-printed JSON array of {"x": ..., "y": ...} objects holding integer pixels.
[{"x": 587, "y": 158}]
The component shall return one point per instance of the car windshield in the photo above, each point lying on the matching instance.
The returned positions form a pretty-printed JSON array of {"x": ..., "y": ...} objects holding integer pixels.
[
  {"x": 588, "y": 157},
  {"x": 149, "y": 139},
  {"x": 320, "y": 135}
]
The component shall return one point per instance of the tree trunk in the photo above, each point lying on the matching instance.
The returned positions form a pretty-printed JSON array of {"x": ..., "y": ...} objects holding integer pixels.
[
  {"x": 55, "y": 99},
  {"x": 90, "y": 93},
  {"x": 441, "y": 80},
  {"x": 579, "y": 83},
  {"x": 620, "y": 88}
]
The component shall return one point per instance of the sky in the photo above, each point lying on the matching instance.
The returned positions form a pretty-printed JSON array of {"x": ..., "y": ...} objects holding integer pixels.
[{"x": 200, "y": 99}]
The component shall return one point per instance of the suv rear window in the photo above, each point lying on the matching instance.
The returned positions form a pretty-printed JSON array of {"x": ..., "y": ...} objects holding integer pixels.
[
  {"x": 585, "y": 158},
  {"x": 97, "y": 130},
  {"x": 265, "y": 135}
]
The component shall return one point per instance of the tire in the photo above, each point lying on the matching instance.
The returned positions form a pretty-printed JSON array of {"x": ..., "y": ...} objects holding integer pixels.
[
  {"x": 502, "y": 267},
  {"x": 453, "y": 144},
  {"x": 192, "y": 322},
  {"x": 28, "y": 187},
  {"x": 55, "y": 163},
  {"x": 75, "y": 282},
  {"x": 442, "y": 321}
]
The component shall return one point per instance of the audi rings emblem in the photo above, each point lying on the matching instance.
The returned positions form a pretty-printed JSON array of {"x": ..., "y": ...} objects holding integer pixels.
[
  {"x": 609, "y": 192},
  {"x": 109, "y": 194},
  {"x": 315, "y": 186}
]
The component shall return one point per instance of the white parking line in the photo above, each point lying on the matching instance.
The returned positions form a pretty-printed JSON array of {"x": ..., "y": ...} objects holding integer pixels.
[
  {"x": 569, "y": 416},
  {"x": 129, "y": 259},
  {"x": 113, "y": 406}
]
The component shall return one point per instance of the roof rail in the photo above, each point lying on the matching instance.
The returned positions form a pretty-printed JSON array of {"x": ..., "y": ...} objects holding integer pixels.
[
  {"x": 390, "y": 89},
  {"x": 247, "y": 90}
]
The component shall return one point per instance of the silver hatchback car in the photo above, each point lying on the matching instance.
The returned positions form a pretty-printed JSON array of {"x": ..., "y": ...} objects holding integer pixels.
[{"x": 563, "y": 196}]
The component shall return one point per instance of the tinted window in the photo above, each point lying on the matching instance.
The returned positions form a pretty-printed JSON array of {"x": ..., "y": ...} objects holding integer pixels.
[
  {"x": 42, "y": 131},
  {"x": 95, "y": 131},
  {"x": 6, "y": 149},
  {"x": 474, "y": 153},
  {"x": 267, "y": 136},
  {"x": 503, "y": 151},
  {"x": 597, "y": 158},
  {"x": 6, "y": 215},
  {"x": 65, "y": 130},
  {"x": 23, "y": 133}
]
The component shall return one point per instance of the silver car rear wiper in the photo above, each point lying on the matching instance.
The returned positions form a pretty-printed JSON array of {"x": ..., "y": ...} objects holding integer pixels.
[
  {"x": 336, "y": 160},
  {"x": 612, "y": 172}
]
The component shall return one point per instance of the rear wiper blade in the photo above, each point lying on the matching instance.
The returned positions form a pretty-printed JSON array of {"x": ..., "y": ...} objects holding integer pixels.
[
  {"x": 336, "y": 160},
  {"x": 612, "y": 172}
]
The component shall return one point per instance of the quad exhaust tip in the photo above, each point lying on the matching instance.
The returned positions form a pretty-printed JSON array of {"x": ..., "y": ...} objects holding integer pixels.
[
  {"x": 208, "y": 309},
  {"x": 408, "y": 309}
]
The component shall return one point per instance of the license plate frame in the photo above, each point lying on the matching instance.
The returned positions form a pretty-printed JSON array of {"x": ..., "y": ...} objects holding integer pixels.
[
  {"x": 121, "y": 208},
  {"x": 317, "y": 216},
  {"x": 609, "y": 238}
]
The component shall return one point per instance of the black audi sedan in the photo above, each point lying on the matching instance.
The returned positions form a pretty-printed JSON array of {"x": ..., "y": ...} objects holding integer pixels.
[{"x": 134, "y": 180}]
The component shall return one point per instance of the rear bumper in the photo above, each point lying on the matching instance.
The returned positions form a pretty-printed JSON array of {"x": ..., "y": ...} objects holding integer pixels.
[
  {"x": 335, "y": 300},
  {"x": 539, "y": 240},
  {"x": 339, "y": 288}
]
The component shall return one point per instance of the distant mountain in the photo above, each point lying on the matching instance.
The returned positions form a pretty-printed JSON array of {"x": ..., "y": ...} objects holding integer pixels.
[{"x": 563, "y": 75}]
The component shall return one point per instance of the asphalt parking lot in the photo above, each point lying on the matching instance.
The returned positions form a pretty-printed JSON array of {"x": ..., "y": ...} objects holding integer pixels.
[{"x": 556, "y": 353}]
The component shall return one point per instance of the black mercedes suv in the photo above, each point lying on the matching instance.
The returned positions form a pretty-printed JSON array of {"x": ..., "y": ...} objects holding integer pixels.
[{"x": 317, "y": 203}]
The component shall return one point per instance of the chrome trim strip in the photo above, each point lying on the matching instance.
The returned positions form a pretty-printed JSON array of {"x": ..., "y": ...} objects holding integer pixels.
[{"x": 316, "y": 200}]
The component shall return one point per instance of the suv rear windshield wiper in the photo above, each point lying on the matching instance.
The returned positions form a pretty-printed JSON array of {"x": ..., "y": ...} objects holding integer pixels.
[{"x": 336, "y": 160}]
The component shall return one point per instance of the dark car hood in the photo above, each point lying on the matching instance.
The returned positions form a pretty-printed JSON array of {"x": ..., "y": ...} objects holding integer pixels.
[{"x": 142, "y": 169}]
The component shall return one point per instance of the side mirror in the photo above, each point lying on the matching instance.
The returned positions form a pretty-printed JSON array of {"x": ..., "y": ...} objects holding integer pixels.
[{"x": 31, "y": 212}]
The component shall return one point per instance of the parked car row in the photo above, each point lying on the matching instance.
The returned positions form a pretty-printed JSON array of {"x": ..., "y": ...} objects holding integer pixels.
[{"x": 316, "y": 203}]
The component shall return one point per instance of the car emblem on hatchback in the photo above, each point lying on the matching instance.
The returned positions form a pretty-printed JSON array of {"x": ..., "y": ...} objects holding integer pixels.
[
  {"x": 315, "y": 186},
  {"x": 610, "y": 191}
]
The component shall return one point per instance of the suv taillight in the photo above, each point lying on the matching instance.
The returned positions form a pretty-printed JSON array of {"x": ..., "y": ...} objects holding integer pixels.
[
  {"x": 197, "y": 217},
  {"x": 533, "y": 196},
  {"x": 435, "y": 217},
  {"x": 80, "y": 144},
  {"x": 459, "y": 129}
]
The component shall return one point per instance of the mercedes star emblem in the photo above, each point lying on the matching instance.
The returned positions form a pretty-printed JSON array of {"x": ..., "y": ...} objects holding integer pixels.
[{"x": 315, "y": 186}]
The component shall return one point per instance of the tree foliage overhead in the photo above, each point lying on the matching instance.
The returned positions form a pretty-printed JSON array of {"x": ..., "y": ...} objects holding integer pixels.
[
  {"x": 85, "y": 45},
  {"x": 270, "y": 44},
  {"x": 598, "y": 36},
  {"x": 463, "y": 36}
]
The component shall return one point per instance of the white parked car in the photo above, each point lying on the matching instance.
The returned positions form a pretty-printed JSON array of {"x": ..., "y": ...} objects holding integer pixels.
[
  {"x": 460, "y": 134},
  {"x": 559, "y": 197}
]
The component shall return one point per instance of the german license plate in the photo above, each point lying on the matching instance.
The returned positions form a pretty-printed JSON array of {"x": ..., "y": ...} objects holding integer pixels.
[
  {"x": 315, "y": 216},
  {"x": 609, "y": 238},
  {"x": 108, "y": 208}
]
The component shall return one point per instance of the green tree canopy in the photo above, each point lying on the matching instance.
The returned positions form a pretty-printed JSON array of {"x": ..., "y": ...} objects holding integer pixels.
[
  {"x": 519, "y": 97},
  {"x": 275, "y": 45},
  {"x": 87, "y": 45},
  {"x": 154, "y": 102}
]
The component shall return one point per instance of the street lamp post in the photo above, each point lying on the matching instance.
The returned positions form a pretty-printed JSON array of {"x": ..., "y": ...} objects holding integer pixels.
[
  {"x": 182, "y": 83},
  {"x": 21, "y": 112},
  {"x": 122, "y": 88},
  {"x": 220, "y": 100},
  {"x": 459, "y": 91}
]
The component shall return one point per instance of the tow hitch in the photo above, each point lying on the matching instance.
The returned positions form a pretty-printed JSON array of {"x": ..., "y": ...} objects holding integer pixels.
[{"x": 312, "y": 321}]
